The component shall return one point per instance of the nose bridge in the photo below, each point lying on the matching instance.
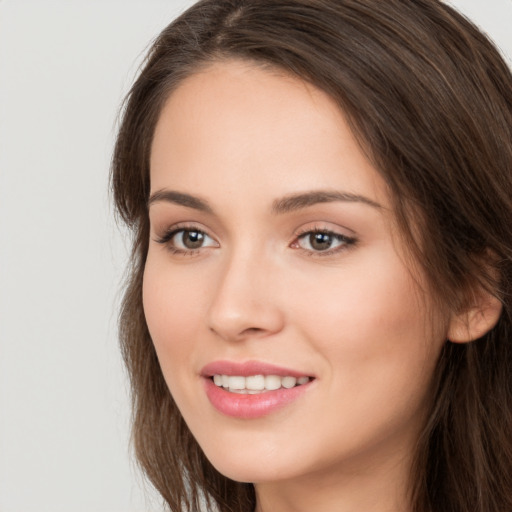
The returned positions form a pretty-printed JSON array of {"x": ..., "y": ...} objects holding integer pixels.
[{"x": 244, "y": 301}]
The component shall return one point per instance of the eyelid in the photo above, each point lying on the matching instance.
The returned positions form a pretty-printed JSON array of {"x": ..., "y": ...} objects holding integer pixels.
[
  {"x": 169, "y": 229},
  {"x": 324, "y": 227},
  {"x": 170, "y": 232},
  {"x": 347, "y": 240}
]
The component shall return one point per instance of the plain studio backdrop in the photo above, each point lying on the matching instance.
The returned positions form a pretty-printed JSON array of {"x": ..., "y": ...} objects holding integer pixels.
[{"x": 64, "y": 412}]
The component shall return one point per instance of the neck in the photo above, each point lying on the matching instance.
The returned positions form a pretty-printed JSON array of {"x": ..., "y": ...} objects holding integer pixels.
[{"x": 377, "y": 485}]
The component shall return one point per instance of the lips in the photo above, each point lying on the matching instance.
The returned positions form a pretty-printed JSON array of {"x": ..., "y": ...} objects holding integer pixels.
[
  {"x": 247, "y": 369},
  {"x": 252, "y": 389},
  {"x": 254, "y": 384}
]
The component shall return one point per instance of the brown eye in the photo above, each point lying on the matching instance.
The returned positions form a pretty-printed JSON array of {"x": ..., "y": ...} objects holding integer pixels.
[
  {"x": 190, "y": 239},
  {"x": 323, "y": 241},
  {"x": 184, "y": 240},
  {"x": 320, "y": 241}
]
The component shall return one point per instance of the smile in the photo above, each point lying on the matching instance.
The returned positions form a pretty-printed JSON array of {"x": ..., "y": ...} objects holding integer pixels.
[
  {"x": 254, "y": 384},
  {"x": 253, "y": 389}
]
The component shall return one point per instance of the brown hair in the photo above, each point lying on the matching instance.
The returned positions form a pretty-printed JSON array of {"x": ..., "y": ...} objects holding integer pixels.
[{"x": 430, "y": 100}]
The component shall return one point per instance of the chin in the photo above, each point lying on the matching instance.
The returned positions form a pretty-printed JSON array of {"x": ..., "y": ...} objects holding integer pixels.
[
  {"x": 241, "y": 470},
  {"x": 259, "y": 457}
]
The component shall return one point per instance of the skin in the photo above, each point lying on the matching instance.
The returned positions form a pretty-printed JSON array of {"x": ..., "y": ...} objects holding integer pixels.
[{"x": 354, "y": 316}]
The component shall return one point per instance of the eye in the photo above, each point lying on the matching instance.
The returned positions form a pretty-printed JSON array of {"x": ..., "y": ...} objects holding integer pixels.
[
  {"x": 323, "y": 241},
  {"x": 190, "y": 239},
  {"x": 185, "y": 240}
]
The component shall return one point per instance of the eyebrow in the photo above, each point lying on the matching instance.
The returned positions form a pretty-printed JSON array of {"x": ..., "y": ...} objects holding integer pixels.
[
  {"x": 280, "y": 206},
  {"x": 295, "y": 202},
  {"x": 181, "y": 199}
]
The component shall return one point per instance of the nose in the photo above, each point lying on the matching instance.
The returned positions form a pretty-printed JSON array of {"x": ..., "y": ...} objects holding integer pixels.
[{"x": 245, "y": 302}]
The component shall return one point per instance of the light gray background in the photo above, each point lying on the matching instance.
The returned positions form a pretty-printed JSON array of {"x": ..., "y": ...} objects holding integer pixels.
[{"x": 64, "y": 415}]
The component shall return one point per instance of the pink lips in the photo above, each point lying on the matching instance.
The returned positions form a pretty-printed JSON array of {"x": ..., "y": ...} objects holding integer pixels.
[{"x": 247, "y": 406}]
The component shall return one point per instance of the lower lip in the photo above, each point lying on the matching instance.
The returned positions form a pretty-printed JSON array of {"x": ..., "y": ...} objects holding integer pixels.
[{"x": 245, "y": 406}]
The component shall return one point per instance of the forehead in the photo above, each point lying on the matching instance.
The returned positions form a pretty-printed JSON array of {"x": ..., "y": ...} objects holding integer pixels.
[{"x": 242, "y": 123}]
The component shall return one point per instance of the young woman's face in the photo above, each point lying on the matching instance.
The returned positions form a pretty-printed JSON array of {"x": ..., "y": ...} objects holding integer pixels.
[{"x": 291, "y": 331}]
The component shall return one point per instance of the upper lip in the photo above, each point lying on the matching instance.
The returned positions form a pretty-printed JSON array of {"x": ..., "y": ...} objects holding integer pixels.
[{"x": 249, "y": 368}]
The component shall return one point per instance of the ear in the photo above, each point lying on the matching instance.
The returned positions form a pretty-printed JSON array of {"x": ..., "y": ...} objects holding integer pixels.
[{"x": 476, "y": 320}]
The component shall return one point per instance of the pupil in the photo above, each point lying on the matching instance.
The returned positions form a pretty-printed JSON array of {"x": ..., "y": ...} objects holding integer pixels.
[
  {"x": 193, "y": 239},
  {"x": 320, "y": 241}
]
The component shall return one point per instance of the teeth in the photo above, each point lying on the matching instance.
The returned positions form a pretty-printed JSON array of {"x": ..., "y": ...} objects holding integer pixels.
[
  {"x": 272, "y": 382},
  {"x": 288, "y": 382},
  {"x": 257, "y": 383},
  {"x": 236, "y": 382}
]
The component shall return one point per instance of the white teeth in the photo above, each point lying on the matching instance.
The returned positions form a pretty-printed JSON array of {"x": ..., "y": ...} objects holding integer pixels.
[
  {"x": 257, "y": 383},
  {"x": 272, "y": 382},
  {"x": 288, "y": 382},
  {"x": 236, "y": 382}
]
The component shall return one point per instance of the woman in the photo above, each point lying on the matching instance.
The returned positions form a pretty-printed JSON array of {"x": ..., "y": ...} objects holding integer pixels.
[{"x": 318, "y": 314}]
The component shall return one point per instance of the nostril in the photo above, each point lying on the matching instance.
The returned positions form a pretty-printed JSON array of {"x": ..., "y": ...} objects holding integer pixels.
[{"x": 253, "y": 330}]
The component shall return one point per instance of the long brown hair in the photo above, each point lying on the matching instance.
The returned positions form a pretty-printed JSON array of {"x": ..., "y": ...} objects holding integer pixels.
[{"x": 430, "y": 100}]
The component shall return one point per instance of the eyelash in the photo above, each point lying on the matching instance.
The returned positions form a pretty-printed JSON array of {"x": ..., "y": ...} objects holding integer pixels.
[
  {"x": 346, "y": 241},
  {"x": 169, "y": 235}
]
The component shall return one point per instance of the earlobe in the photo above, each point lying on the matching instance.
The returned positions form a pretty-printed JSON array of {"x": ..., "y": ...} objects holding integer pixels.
[{"x": 475, "y": 321}]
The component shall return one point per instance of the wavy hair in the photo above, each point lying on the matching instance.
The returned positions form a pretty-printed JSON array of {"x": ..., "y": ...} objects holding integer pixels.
[{"x": 429, "y": 99}]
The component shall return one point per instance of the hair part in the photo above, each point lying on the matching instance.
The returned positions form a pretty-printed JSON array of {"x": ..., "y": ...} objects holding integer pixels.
[{"x": 429, "y": 99}]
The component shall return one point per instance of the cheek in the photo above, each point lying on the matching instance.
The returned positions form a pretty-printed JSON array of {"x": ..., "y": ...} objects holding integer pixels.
[
  {"x": 172, "y": 307},
  {"x": 379, "y": 346},
  {"x": 371, "y": 321}
]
